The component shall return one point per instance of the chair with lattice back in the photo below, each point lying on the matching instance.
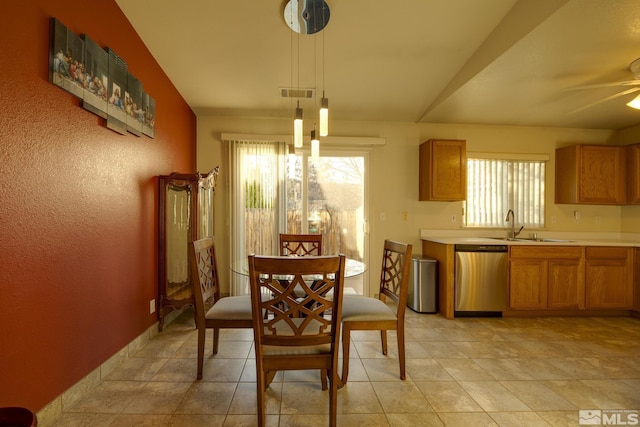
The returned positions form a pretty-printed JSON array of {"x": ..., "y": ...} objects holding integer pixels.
[
  {"x": 300, "y": 244},
  {"x": 212, "y": 311},
  {"x": 367, "y": 313},
  {"x": 292, "y": 332}
]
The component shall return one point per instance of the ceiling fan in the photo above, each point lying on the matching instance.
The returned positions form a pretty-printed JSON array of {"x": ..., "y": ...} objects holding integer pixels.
[{"x": 635, "y": 103}]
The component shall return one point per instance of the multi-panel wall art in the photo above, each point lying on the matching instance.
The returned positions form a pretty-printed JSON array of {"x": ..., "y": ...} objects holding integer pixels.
[{"x": 99, "y": 77}]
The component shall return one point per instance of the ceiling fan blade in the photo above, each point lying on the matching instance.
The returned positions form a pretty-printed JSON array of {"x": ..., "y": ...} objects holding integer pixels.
[
  {"x": 626, "y": 83},
  {"x": 608, "y": 98}
]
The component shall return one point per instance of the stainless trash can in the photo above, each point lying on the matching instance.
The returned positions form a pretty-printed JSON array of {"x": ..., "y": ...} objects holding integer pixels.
[{"x": 423, "y": 285}]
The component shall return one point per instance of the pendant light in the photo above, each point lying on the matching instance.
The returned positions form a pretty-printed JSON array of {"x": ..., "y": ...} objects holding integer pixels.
[
  {"x": 324, "y": 116},
  {"x": 315, "y": 145},
  {"x": 324, "y": 101},
  {"x": 313, "y": 20},
  {"x": 297, "y": 127},
  {"x": 297, "y": 120}
]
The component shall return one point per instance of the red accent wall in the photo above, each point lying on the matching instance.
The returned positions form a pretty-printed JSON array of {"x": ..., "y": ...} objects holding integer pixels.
[{"x": 78, "y": 204}]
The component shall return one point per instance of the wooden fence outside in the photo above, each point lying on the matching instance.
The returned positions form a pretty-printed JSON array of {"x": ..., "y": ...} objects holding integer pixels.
[{"x": 259, "y": 238}]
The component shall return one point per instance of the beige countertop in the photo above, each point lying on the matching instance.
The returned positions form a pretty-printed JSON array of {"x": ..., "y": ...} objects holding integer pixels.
[{"x": 456, "y": 237}]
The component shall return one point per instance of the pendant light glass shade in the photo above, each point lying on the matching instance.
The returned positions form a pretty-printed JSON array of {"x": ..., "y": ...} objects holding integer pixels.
[
  {"x": 324, "y": 116},
  {"x": 315, "y": 146},
  {"x": 635, "y": 103},
  {"x": 297, "y": 128}
]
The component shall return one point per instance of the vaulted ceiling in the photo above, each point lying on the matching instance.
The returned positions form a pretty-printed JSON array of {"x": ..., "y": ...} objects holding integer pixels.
[{"x": 504, "y": 62}]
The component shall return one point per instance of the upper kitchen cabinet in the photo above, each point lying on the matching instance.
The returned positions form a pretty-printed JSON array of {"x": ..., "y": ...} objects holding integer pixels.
[
  {"x": 591, "y": 174},
  {"x": 633, "y": 172},
  {"x": 443, "y": 170},
  {"x": 636, "y": 281}
]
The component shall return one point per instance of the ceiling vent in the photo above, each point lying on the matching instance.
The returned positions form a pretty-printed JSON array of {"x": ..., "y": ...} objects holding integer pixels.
[{"x": 289, "y": 92}]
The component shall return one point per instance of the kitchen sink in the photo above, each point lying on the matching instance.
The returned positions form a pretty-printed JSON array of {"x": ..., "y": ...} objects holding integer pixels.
[
  {"x": 510, "y": 239},
  {"x": 524, "y": 239}
]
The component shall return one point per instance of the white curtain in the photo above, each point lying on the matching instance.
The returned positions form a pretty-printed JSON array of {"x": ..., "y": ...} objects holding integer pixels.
[
  {"x": 257, "y": 203},
  {"x": 495, "y": 186}
]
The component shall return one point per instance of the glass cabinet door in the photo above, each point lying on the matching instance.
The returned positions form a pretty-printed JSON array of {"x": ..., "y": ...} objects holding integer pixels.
[
  {"x": 206, "y": 188},
  {"x": 185, "y": 214},
  {"x": 177, "y": 226}
]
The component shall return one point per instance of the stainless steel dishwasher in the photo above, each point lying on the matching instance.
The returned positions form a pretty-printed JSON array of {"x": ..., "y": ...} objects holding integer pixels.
[{"x": 480, "y": 280}]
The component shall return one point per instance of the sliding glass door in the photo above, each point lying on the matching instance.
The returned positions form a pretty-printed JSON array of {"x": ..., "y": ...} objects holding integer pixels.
[
  {"x": 277, "y": 192},
  {"x": 334, "y": 202}
]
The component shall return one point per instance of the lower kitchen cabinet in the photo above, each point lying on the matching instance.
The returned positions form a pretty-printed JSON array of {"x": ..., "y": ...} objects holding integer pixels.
[
  {"x": 609, "y": 277},
  {"x": 557, "y": 279},
  {"x": 546, "y": 277},
  {"x": 528, "y": 284},
  {"x": 566, "y": 283}
]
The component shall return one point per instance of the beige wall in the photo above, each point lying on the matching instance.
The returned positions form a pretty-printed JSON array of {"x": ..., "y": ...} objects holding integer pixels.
[
  {"x": 630, "y": 222},
  {"x": 394, "y": 175}
]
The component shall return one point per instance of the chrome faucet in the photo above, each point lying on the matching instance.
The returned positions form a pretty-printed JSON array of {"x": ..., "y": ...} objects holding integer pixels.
[{"x": 513, "y": 233}]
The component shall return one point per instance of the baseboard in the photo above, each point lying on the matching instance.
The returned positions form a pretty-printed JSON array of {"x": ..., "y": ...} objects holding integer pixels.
[
  {"x": 567, "y": 313},
  {"x": 54, "y": 409}
]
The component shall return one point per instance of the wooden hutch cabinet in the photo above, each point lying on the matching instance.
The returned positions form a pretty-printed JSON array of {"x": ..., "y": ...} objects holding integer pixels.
[
  {"x": 185, "y": 214},
  {"x": 591, "y": 174},
  {"x": 443, "y": 170}
]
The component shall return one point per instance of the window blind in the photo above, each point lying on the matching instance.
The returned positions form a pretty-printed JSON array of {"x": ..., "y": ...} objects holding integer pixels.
[
  {"x": 256, "y": 196},
  {"x": 494, "y": 186}
]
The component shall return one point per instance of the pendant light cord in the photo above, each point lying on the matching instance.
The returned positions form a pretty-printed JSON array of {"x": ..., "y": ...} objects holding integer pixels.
[
  {"x": 291, "y": 54},
  {"x": 323, "y": 64}
]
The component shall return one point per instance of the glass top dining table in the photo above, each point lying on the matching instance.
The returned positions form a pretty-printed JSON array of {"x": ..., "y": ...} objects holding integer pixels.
[{"x": 352, "y": 267}]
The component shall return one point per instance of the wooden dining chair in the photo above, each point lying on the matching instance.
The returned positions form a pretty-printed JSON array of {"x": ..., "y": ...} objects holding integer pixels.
[
  {"x": 292, "y": 332},
  {"x": 367, "y": 313},
  {"x": 212, "y": 311},
  {"x": 300, "y": 244},
  {"x": 303, "y": 245}
]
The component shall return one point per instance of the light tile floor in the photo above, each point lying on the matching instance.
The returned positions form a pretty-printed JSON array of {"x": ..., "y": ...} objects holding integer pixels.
[{"x": 462, "y": 372}]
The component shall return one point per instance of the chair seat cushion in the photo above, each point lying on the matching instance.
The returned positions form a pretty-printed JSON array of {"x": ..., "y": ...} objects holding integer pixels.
[
  {"x": 360, "y": 308},
  {"x": 231, "y": 308}
]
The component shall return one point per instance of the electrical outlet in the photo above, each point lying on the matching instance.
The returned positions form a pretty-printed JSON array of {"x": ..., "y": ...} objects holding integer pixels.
[
  {"x": 598, "y": 220},
  {"x": 405, "y": 215},
  {"x": 453, "y": 218},
  {"x": 576, "y": 215},
  {"x": 152, "y": 306}
]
